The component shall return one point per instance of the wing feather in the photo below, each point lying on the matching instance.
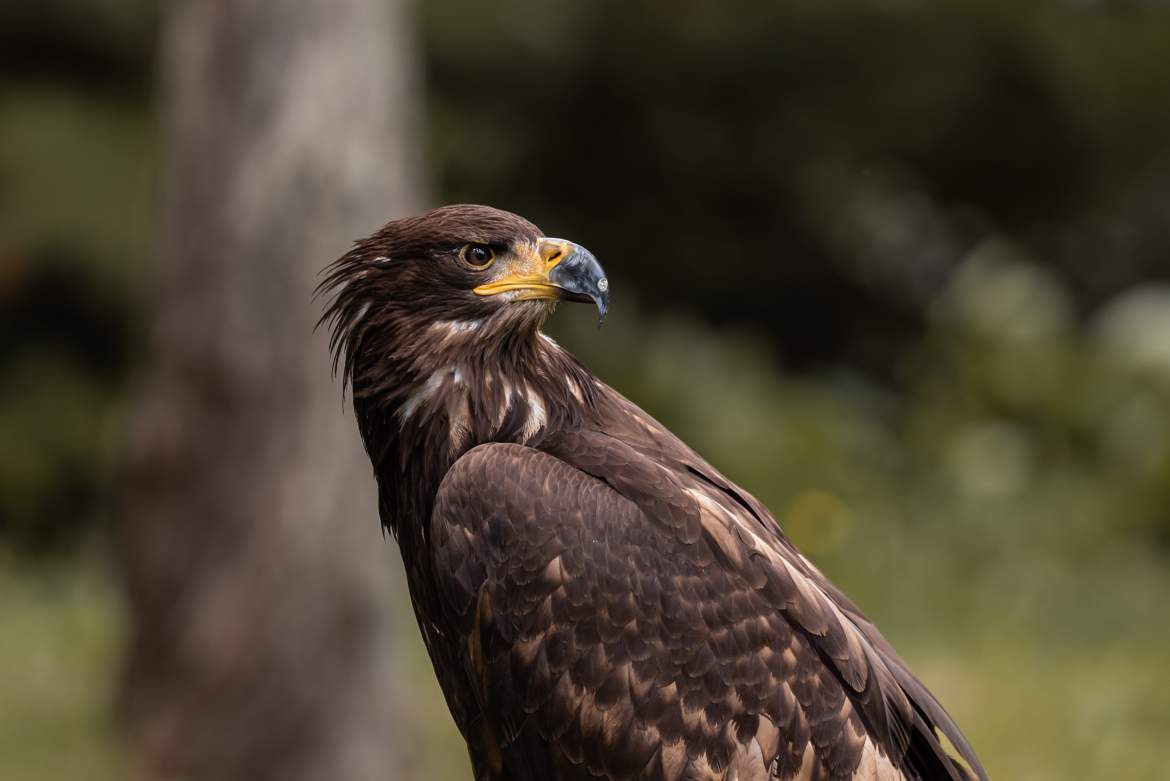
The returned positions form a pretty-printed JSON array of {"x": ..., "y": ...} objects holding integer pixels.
[{"x": 634, "y": 622}]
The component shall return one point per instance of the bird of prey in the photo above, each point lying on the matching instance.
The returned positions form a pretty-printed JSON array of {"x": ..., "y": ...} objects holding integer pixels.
[{"x": 597, "y": 600}]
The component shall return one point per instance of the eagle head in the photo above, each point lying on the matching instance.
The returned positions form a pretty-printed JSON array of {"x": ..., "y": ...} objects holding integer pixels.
[
  {"x": 479, "y": 270},
  {"x": 461, "y": 278}
]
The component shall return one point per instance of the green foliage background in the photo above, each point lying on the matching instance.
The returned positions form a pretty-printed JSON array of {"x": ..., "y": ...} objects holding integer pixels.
[{"x": 900, "y": 270}]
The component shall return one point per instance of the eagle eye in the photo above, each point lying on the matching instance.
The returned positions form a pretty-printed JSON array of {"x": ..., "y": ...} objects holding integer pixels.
[{"x": 478, "y": 256}]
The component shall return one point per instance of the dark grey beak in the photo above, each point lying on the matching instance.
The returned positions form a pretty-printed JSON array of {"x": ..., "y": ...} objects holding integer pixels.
[{"x": 583, "y": 279}]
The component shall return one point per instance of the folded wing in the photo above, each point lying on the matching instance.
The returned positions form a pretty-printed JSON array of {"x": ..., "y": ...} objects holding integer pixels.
[{"x": 626, "y": 619}]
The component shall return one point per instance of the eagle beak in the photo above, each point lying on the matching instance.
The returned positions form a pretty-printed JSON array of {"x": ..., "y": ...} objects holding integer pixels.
[
  {"x": 582, "y": 278},
  {"x": 554, "y": 269}
]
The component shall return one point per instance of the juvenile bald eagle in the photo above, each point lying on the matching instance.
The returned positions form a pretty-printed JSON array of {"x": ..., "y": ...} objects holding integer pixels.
[{"x": 598, "y": 601}]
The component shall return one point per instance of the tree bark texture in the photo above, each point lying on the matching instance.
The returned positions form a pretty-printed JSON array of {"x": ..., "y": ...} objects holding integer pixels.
[{"x": 258, "y": 584}]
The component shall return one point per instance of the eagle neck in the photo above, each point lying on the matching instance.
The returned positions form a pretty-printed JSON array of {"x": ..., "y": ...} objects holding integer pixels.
[{"x": 459, "y": 388}]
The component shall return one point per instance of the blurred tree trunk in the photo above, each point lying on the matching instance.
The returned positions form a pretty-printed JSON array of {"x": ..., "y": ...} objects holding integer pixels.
[{"x": 258, "y": 583}]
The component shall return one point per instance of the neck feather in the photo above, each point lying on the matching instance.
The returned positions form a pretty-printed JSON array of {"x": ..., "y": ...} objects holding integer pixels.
[{"x": 426, "y": 398}]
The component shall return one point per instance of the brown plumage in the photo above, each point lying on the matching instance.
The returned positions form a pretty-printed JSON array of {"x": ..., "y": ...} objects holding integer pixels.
[{"x": 597, "y": 600}]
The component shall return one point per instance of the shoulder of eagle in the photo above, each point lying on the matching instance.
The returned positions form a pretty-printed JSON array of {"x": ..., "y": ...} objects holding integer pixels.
[{"x": 645, "y": 618}]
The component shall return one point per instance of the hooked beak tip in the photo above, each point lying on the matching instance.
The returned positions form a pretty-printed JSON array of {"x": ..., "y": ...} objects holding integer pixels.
[{"x": 583, "y": 279}]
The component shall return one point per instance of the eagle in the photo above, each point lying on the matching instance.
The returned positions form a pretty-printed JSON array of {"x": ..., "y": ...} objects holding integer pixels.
[{"x": 597, "y": 600}]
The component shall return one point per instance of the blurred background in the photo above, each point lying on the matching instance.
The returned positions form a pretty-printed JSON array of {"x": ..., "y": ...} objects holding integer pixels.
[{"x": 900, "y": 269}]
